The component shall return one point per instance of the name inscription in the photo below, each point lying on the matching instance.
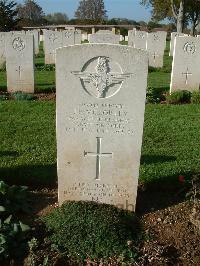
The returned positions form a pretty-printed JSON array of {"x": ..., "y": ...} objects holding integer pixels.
[{"x": 100, "y": 118}]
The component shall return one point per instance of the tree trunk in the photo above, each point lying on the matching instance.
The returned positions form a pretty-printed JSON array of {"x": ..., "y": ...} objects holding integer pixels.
[
  {"x": 193, "y": 27},
  {"x": 180, "y": 18}
]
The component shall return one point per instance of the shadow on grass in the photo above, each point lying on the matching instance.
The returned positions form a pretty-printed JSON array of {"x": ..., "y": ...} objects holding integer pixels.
[
  {"x": 9, "y": 153},
  {"x": 3, "y": 88},
  {"x": 33, "y": 176},
  {"x": 150, "y": 159},
  {"x": 45, "y": 88},
  {"x": 162, "y": 193}
]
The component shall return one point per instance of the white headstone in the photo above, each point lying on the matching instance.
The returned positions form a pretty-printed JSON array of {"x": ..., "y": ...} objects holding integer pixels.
[
  {"x": 100, "y": 114},
  {"x": 140, "y": 40},
  {"x": 71, "y": 37},
  {"x": 52, "y": 41},
  {"x": 156, "y": 43},
  {"x": 84, "y": 37},
  {"x": 131, "y": 37},
  {"x": 121, "y": 38},
  {"x": 20, "y": 62},
  {"x": 2, "y": 49},
  {"x": 104, "y": 38},
  {"x": 185, "y": 67},
  {"x": 173, "y": 36},
  {"x": 36, "y": 35}
]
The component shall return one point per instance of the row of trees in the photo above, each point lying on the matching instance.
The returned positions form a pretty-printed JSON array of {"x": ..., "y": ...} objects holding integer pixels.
[{"x": 182, "y": 12}]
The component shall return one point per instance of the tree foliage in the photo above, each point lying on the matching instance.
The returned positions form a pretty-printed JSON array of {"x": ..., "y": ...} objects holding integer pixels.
[
  {"x": 8, "y": 15},
  {"x": 57, "y": 18},
  {"x": 181, "y": 11},
  {"x": 30, "y": 13},
  {"x": 93, "y": 10}
]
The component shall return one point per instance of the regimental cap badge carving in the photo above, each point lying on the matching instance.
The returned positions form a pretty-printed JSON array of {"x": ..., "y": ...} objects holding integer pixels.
[
  {"x": 156, "y": 37},
  {"x": 189, "y": 48},
  {"x": 68, "y": 34},
  {"x": 102, "y": 82},
  {"x": 18, "y": 44},
  {"x": 52, "y": 37}
]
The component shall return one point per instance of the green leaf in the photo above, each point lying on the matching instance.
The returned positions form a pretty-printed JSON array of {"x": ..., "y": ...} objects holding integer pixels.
[
  {"x": 2, "y": 249},
  {"x": 2, "y": 239},
  {"x": 7, "y": 221},
  {"x": 2, "y": 209},
  {"x": 3, "y": 187},
  {"x": 24, "y": 227}
]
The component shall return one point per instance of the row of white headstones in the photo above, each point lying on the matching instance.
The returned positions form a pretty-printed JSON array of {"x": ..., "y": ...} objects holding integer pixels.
[{"x": 16, "y": 48}]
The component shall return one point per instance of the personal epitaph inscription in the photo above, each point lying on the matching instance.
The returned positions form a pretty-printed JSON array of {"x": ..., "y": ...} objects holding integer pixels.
[
  {"x": 185, "y": 67},
  {"x": 100, "y": 114}
]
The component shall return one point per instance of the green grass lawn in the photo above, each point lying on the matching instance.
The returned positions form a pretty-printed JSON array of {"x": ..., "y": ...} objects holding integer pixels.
[{"x": 28, "y": 139}]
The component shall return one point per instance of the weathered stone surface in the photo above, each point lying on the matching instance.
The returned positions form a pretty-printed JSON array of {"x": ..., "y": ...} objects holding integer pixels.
[
  {"x": 173, "y": 36},
  {"x": 104, "y": 38},
  {"x": 185, "y": 67},
  {"x": 131, "y": 37},
  {"x": 20, "y": 62},
  {"x": 71, "y": 37},
  {"x": 2, "y": 49},
  {"x": 156, "y": 43},
  {"x": 140, "y": 40},
  {"x": 54, "y": 40},
  {"x": 100, "y": 114},
  {"x": 36, "y": 36}
]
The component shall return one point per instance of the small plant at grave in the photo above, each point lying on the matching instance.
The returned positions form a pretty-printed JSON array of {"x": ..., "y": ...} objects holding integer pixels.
[
  {"x": 154, "y": 69},
  {"x": 92, "y": 231},
  {"x": 3, "y": 98},
  {"x": 13, "y": 238},
  {"x": 179, "y": 97},
  {"x": 22, "y": 96},
  {"x": 196, "y": 97},
  {"x": 154, "y": 95},
  {"x": 13, "y": 199},
  {"x": 194, "y": 192}
]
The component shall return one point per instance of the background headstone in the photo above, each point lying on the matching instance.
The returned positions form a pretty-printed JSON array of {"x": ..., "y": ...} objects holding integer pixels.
[
  {"x": 20, "y": 62},
  {"x": 52, "y": 41},
  {"x": 104, "y": 38},
  {"x": 71, "y": 37},
  {"x": 173, "y": 36},
  {"x": 36, "y": 35},
  {"x": 185, "y": 67},
  {"x": 131, "y": 37},
  {"x": 100, "y": 114},
  {"x": 156, "y": 43},
  {"x": 140, "y": 40}
]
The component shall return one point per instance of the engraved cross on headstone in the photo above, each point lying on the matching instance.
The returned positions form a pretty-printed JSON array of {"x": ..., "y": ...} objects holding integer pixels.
[
  {"x": 98, "y": 156},
  {"x": 19, "y": 70},
  {"x": 154, "y": 56},
  {"x": 187, "y": 74}
]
